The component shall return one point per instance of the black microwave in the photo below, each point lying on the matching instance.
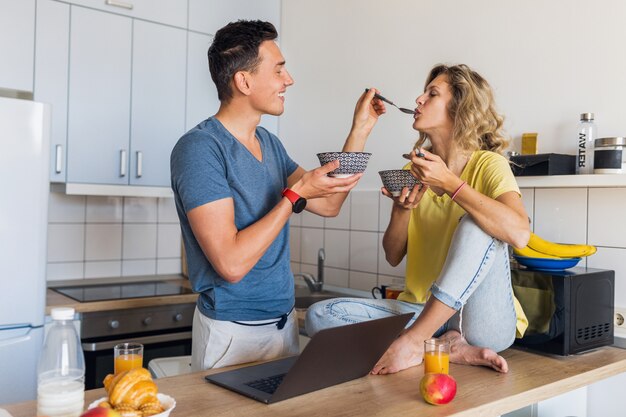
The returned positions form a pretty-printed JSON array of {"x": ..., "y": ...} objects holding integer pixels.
[{"x": 569, "y": 311}]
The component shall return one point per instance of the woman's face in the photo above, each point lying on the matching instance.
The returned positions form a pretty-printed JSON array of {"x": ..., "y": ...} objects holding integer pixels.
[{"x": 432, "y": 115}]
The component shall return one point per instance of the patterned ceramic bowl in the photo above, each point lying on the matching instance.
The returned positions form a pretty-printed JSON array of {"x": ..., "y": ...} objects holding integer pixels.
[
  {"x": 350, "y": 162},
  {"x": 395, "y": 180}
]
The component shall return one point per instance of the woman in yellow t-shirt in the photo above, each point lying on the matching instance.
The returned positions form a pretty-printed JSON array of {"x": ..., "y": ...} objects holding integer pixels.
[{"x": 454, "y": 232}]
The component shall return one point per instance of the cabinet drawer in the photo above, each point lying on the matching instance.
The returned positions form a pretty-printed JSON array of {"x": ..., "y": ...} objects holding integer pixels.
[{"x": 170, "y": 12}]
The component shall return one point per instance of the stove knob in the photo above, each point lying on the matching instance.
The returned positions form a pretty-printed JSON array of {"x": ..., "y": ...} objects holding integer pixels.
[
  {"x": 147, "y": 321},
  {"x": 114, "y": 324},
  {"x": 178, "y": 317}
]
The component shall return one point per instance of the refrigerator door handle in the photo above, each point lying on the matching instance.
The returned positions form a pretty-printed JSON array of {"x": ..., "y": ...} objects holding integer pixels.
[{"x": 15, "y": 340}]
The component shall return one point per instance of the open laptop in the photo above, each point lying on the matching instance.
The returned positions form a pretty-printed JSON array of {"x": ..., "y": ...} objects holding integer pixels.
[{"x": 332, "y": 356}]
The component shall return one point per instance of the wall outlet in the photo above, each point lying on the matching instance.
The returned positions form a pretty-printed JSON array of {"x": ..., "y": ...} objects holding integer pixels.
[{"x": 620, "y": 318}]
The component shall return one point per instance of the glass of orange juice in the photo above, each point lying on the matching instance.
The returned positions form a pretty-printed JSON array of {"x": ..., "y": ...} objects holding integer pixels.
[
  {"x": 127, "y": 356},
  {"x": 436, "y": 356}
]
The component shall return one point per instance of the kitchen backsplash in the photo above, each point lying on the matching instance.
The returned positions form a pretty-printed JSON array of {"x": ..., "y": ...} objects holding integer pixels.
[
  {"x": 94, "y": 237},
  {"x": 91, "y": 237},
  {"x": 352, "y": 242},
  {"x": 584, "y": 215},
  {"x": 355, "y": 259}
]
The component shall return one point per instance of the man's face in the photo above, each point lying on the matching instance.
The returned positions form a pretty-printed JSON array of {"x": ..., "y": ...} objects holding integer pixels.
[{"x": 270, "y": 80}]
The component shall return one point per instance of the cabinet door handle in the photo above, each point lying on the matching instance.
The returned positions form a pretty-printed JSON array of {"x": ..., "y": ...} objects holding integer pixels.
[
  {"x": 123, "y": 162},
  {"x": 139, "y": 164},
  {"x": 121, "y": 4},
  {"x": 58, "y": 165}
]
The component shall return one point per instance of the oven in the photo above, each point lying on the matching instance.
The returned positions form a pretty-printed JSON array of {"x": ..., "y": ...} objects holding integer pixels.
[{"x": 163, "y": 331}]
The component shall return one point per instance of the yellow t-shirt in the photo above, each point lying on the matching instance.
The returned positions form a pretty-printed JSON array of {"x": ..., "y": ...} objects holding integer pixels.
[{"x": 435, "y": 219}]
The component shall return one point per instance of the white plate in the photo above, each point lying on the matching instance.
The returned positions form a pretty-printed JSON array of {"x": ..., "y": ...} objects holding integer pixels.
[{"x": 166, "y": 401}]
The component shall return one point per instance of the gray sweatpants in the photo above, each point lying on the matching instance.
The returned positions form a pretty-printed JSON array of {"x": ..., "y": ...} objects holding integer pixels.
[{"x": 218, "y": 343}]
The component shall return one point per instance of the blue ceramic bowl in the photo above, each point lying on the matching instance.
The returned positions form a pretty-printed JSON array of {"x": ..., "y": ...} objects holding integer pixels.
[{"x": 547, "y": 264}]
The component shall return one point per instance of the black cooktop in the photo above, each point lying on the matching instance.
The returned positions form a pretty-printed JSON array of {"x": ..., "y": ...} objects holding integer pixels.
[{"x": 122, "y": 291}]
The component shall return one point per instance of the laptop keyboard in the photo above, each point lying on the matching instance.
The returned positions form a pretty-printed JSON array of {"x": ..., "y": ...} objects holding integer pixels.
[{"x": 268, "y": 385}]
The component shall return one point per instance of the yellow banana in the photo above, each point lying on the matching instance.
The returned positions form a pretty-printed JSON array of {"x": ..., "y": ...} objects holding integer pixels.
[
  {"x": 559, "y": 250},
  {"x": 531, "y": 253}
]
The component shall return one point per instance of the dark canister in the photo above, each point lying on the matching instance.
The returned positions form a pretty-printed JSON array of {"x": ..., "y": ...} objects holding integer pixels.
[{"x": 609, "y": 155}]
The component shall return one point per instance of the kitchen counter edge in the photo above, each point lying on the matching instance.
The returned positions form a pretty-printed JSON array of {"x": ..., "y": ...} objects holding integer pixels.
[{"x": 55, "y": 299}]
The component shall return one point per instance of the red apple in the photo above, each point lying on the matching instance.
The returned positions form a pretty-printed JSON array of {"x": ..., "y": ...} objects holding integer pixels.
[
  {"x": 100, "y": 412},
  {"x": 438, "y": 389}
]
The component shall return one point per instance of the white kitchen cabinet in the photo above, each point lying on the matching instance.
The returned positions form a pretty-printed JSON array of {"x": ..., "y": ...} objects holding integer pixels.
[
  {"x": 202, "y": 100},
  {"x": 17, "y": 44},
  {"x": 126, "y": 99},
  {"x": 99, "y": 97},
  {"x": 158, "y": 100},
  {"x": 122, "y": 89},
  {"x": 170, "y": 12},
  {"x": 51, "y": 70},
  {"x": 208, "y": 16}
]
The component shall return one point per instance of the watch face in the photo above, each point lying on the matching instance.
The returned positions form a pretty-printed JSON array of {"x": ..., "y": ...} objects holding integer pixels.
[{"x": 299, "y": 205}]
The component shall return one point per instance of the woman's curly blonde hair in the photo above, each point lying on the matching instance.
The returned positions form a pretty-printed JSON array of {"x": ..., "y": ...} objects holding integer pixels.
[{"x": 477, "y": 124}]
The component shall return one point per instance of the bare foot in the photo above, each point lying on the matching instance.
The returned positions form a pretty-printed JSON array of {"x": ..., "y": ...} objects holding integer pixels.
[
  {"x": 403, "y": 353},
  {"x": 463, "y": 353}
]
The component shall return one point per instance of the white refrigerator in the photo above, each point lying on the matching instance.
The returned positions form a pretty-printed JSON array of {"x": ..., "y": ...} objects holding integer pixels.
[{"x": 24, "y": 189}]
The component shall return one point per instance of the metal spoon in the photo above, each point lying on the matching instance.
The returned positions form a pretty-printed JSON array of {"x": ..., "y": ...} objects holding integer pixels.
[
  {"x": 402, "y": 109},
  {"x": 407, "y": 156}
]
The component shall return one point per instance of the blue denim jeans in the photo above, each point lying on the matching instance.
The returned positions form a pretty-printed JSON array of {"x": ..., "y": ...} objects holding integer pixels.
[{"x": 475, "y": 280}]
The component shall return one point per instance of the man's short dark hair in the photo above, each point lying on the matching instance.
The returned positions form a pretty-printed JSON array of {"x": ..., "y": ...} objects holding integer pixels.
[{"x": 236, "y": 48}]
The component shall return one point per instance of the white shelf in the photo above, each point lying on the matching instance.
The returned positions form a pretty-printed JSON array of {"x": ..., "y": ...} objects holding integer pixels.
[
  {"x": 572, "y": 181},
  {"x": 111, "y": 190}
]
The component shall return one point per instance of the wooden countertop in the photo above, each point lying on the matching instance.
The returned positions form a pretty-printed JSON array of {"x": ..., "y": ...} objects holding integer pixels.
[
  {"x": 481, "y": 391},
  {"x": 55, "y": 299}
]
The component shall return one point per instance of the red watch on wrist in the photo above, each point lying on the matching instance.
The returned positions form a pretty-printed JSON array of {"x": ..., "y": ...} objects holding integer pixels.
[{"x": 297, "y": 203}]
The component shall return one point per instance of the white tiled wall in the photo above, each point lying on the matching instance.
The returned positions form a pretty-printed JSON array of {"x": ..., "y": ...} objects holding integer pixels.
[
  {"x": 561, "y": 214},
  {"x": 353, "y": 240},
  {"x": 92, "y": 237},
  {"x": 96, "y": 237},
  {"x": 584, "y": 215}
]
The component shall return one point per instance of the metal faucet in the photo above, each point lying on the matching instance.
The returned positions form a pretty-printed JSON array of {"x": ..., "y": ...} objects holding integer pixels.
[
  {"x": 321, "y": 257},
  {"x": 310, "y": 281},
  {"x": 315, "y": 285}
]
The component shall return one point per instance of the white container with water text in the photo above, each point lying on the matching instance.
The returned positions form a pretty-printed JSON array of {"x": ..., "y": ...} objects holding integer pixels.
[{"x": 586, "y": 135}]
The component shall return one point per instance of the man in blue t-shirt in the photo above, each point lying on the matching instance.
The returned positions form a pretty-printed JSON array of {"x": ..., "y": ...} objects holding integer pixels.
[{"x": 235, "y": 188}]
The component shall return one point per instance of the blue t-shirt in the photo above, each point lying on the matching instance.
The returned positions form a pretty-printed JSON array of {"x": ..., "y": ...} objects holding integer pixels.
[{"x": 209, "y": 164}]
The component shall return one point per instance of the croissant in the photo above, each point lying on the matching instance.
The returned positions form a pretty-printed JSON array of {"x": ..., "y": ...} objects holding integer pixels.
[{"x": 132, "y": 389}]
